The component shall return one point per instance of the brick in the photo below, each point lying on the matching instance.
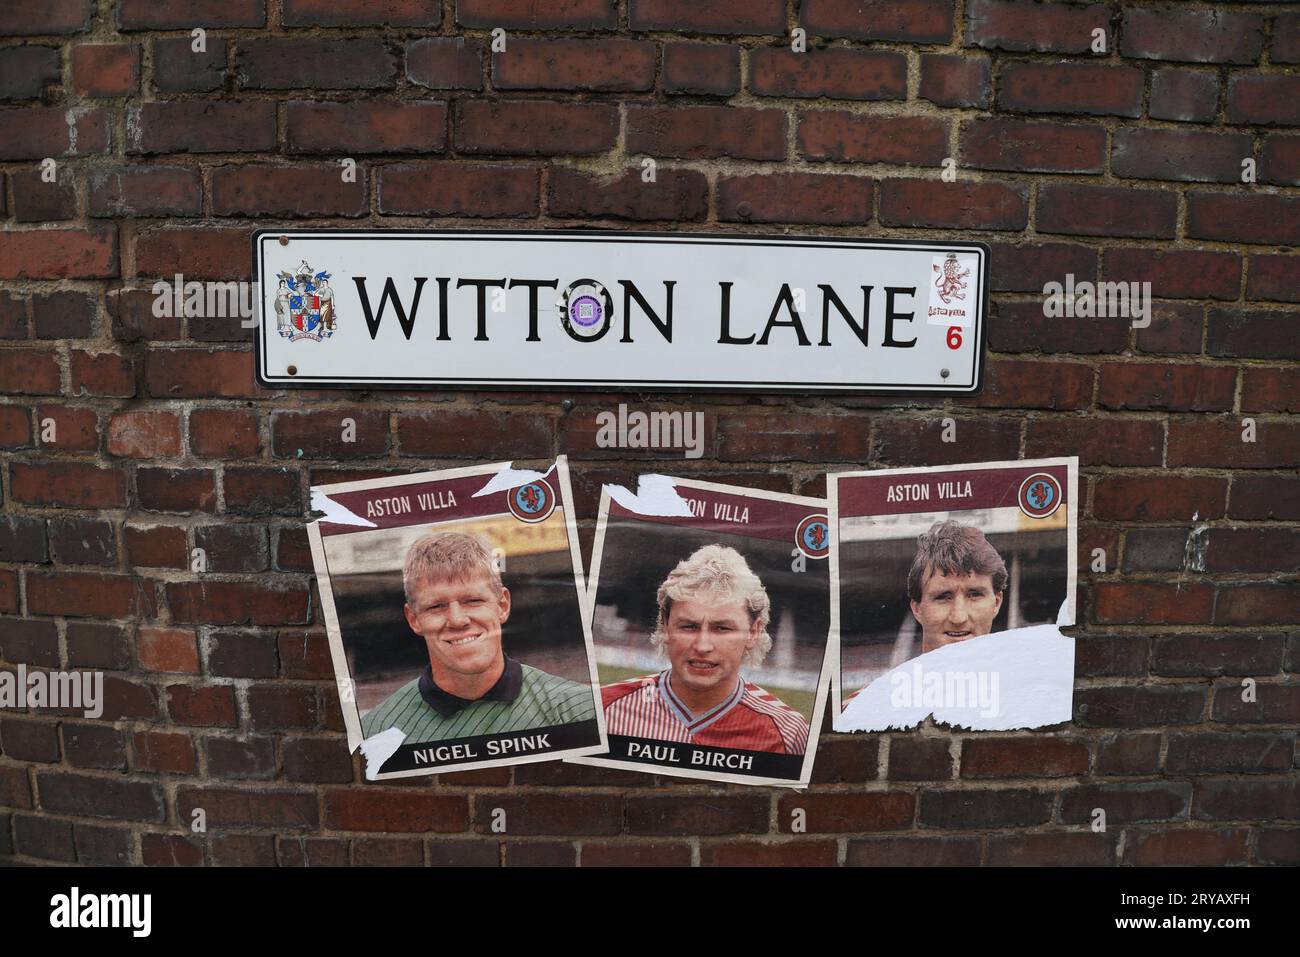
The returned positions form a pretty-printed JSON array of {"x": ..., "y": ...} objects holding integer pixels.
[
  {"x": 176, "y": 490},
  {"x": 37, "y": 132},
  {"x": 86, "y": 595},
  {"x": 587, "y": 65},
  {"x": 1033, "y": 146},
  {"x": 535, "y": 127},
  {"x": 281, "y": 63},
  {"x": 1195, "y": 36},
  {"x": 1110, "y": 656},
  {"x": 1229, "y": 753},
  {"x": 1022, "y": 758},
  {"x": 15, "y": 427},
  {"x": 1279, "y": 160},
  {"x": 913, "y": 852},
  {"x": 98, "y": 646},
  {"x": 230, "y": 807},
  {"x": 984, "y": 808},
  {"x": 843, "y": 137},
  {"x": 814, "y": 198},
  {"x": 459, "y": 189},
  {"x": 1252, "y": 333},
  {"x": 1023, "y": 327},
  {"x": 758, "y": 17},
  {"x": 679, "y": 195},
  {"x": 30, "y": 642},
  {"x": 707, "y": 132},
  {"x": 198, "y": 126},
  {"x": 43, "y": 837},
  {"x": 243, "y": 850},
  {"x": 223, "y": 434},
  {"x": 1106, "y": 211},
  {"x": 1187, "y": 847},
  {"x": 93, "y": 746},
  {"x": 144, "y": 435},
  {"x": 445, "y": 63},
  {"x": 835, "y": 72},
  {"x": 899, "y": 440},
  {"x": 313, "y": 852},
  {"x": 1052, "y": 850},
  {"x": 1027, "y": 267},
  {"x": 36, "y": 201},
  {"x": 82, "y": 541},
  {"x": 107, "y": 846},
  {"x": 89, "y": 253},
  {"x": 718, "y": 814},
  {"x": 918, "y": 21},
  {"x": 168, "y": 649},
  {"x": 169, "y": 850},
  {"x": 1034, "y": 27},
  {"x": 34, "y": 741},
  {"x": 105, "y": 69},
  {"x": 1120, "y": 442},
  {"x": 1265, "y": 389},
  {"x": 370, "y": 127},
  {"x": 461, "y": 434},
  {"x": 262, "y": 491},
  {"x": 1250, "y": 549},
  {"x": 253, "y": 189},
  {"x": 29, "y": 372},
  {"x": 554, "y": 814},
  {"x": 320, "y": 434},
  {"x": 145, "y": 191},
  {"x": 1286, "y": 39},
  {"x": 164, "y": 752},
  {"x": 930, "y": 203},
  {"x": 145, "y": 15},
  {"x": 571, "y": 14},
  {"x": 1138, "y": 707},
  {"x": 211, "y": 706},
  {"x": 799, "y": 853},
  {"x": 236, "y": 603},
  {"x": 292, "y": 552},
  {"x": 1090, "y": 88},
  {"x": 273, "y": 708},
  {"x": 1127, "y": 803},
  {"x": 245, "y": 759},
  {"x": 1277, "y": 846},
  {"x": 391, "y": 13},
  {"x": 952, "y": 80},
  {"x": 1177, "y": 274},
  {"x": 192, "y": 373},
  {"x": 1257, "y": 604},
  {"x": 919, "y": 759},
  {"x": 1197, "y": 388},
  {"x": 790, "y": 437},
  {"x": 98, "y": 796},
  {"x": 1027, "y": 383},
  {"x": 131, "y": 316},
  {"x": 1216, "y": 655},
  {"x": 650, "y": 854},
  {"x": 1265, "y": 497},
  {"x": 705, "y": 69},
  {"x": 22, "y": 539},
  {"x": 239, "y": 655},
  {"x": 304, "y": 656},
  {"x": 317, "y": 760},
  {"x": 1264, "y": 99},
  {"x": 1176, "y": 327},
  {"x": 1128, "y": 754},
  {"x": 1205, "y": 442},
  {"x": 49, "y": 16},
  {"x": 27, "y": 72},
  {"x": 68, "y": 485},
  {"x": 1244, "y": 799},
  {"x": 63, "y": 315},
  {"x": 178, "y": 68},
  {"x": 1233, "y": 217},
  {"x": 156, "y": 546},
  {"x": 1150, "y": 603},
  {"x": 1185, "y": 96},
  {"x": 13, "y": 316},
  {"x": 1155, "y": 498}
]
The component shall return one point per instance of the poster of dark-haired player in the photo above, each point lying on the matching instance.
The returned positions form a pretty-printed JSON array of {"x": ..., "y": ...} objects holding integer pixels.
[
  {"x": 950, "y": 587},
  {"x": 710, "y": 615},
  {"x": 452, "y": 605}
]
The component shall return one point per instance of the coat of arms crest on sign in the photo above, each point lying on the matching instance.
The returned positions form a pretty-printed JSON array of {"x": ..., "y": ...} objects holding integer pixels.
[{"x": 304, "y": 304}]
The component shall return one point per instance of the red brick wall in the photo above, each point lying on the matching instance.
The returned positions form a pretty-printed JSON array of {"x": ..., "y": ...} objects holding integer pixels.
[{"x": 1123, "y": 165}]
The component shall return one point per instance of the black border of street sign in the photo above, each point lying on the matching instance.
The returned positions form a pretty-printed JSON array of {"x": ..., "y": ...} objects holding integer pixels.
[{"x": 612, "y": 385}]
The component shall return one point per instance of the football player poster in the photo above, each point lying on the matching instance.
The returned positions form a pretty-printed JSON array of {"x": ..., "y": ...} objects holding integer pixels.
[
  {"x": 709, "y": 609},
  {"x": 949, "y": 589},
  {"x": 452, "y": 602}
]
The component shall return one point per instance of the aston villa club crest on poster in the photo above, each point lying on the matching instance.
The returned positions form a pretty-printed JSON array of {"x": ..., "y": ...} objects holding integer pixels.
[{"x": 304, "y": 304}]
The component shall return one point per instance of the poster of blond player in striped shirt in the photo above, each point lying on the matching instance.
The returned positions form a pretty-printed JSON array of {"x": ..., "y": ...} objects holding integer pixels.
[
  {"x": 951, "y": 586},
  {"x": 453, "y": 605},
  {"x": 709, "y": 606}
]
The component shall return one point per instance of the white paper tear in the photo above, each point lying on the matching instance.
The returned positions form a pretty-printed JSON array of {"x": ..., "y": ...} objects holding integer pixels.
[
  {"x": 379, "y": 748},
  {"x": 1023, "y": 678},
  {"x": 655, "y": 495},
  {"x": 508, "y": 478},
  {"x": 336, "y": 513}
]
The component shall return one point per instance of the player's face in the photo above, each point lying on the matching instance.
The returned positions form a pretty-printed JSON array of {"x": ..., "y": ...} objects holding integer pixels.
[
  {"x": 707, "y": 640},
  {"x": 955, "y": 607},
  {"x": 460, "y": 621}
]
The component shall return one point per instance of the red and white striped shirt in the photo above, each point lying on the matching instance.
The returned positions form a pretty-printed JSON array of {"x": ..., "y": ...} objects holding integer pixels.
[{"x": 750, "y": 719}]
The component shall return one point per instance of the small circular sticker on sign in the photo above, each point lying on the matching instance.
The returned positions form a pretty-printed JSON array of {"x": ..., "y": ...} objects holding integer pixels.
[
  {"x": 1040, "y": 495},
  {"x": 813, "y": 536},
  {"x": 533, "y": 502}
]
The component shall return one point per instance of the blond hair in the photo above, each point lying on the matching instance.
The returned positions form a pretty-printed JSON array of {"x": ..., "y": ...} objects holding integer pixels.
[
  {"x": 717, "y": 572},
  {"x": 454, "y": 555}
]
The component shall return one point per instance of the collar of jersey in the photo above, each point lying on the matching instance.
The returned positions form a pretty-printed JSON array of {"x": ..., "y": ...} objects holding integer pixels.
[
  {"x": 446, "y": 704},
  {"x": 692, "y": 722}
]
